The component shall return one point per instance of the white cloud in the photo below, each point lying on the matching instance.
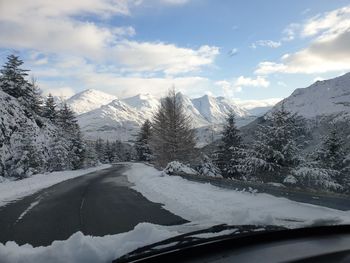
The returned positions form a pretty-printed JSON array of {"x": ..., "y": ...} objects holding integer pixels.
[
  {"x": 259, "y": 81},
  {"x": 266, "y": 43},
  {"x": 230, "y": 88},
  {"x": 163, "y": 57},
  {"x": 250, "y": 104},
  {"x": 175, "y": 2},
  {"x": 61, "y": 92},
  {"x": 54, "y": 27},
  {"x": 290, "y": 32},
  {"x": 328, "y": 51}
]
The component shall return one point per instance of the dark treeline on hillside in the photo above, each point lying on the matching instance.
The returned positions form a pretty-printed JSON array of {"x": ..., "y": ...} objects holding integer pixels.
[{"x": 36, "y": 135}]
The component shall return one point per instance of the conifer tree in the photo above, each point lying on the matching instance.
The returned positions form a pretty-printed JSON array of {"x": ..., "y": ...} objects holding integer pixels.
[
  {"x": 230, "y": 150},
  {"x": 142, "y": 143},
  {"x": 49, "y": 109},
  {"x": 173, "y": 138},
  {"x": 276, "y": 148}
]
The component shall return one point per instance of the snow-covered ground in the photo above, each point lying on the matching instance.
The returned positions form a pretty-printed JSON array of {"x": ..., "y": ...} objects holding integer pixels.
[
  {"x": 80, "y": 248},
  {"x": 13, "y": 190},
  {"x": 208, "y": 204}
]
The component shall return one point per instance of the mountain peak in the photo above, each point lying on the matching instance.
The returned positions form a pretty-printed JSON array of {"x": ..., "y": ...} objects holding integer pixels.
[{"x": 88, "y": 100}]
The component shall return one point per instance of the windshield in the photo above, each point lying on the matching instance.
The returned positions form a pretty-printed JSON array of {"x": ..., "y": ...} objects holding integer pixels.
[{"x": 124, "y": 123}]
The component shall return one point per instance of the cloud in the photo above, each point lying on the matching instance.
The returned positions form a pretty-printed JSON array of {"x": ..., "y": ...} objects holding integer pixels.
[
  {"x": 251, "y": 104},
  {"x": 328, "y": 51},
  {"x": 62, "y": 92},
  {"x": 290, "y": 32},
  {"x": 175, "y": 2},
  {"x": 259, "y": 81},
  {"x": 55, "y": 27},
  {"x": 167, "y": 58},
  {"x": 266, "y": 43},
  {"x": 230, "y": 88}
]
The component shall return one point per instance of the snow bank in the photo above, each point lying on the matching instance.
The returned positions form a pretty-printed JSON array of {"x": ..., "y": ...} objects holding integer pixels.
[
  {"x": 12, "y": 190},
  {"x": 176, "y": 167},
  {"x": 204, "y": 203},
  {"x": 80, "y": 248}
]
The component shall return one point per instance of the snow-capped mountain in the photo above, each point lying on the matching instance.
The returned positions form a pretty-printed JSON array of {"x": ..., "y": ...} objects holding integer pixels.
[
  {"x": 101, "y": 115},
  {"x": 114, "y": 121},
  {"x": 215, "y": 110},
  {"x": 145, "y": 104},
  {"x": 323, "y": 98},
  {"x": 88, "y": 100}
]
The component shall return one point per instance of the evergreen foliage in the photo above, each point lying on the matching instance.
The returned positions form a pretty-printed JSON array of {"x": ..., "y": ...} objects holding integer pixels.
[
  {"x": 142, "y": 142},
  {"x": 173, "y": 138},
  {"x": 230, "y": 153}
]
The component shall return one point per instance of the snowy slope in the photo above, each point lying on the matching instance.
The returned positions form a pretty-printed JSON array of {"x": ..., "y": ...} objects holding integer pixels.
[
  {"x": 215, "y": 110},
  {"x": 146, "y": 104},
  {"x": 323, "y": 98},
  {"x": 114, "y": 121},
  {"x": 88, "y": 100}
]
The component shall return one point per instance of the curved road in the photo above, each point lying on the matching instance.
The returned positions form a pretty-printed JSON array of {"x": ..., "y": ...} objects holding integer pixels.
[{"x": 97, "y": 204}]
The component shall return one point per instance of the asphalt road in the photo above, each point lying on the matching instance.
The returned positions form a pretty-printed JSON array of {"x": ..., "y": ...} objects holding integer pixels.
[{"x": 97, "y": 204}]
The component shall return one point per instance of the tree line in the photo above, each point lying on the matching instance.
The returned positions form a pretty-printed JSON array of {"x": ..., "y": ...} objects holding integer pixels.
[{"x": 46, "y": 138}]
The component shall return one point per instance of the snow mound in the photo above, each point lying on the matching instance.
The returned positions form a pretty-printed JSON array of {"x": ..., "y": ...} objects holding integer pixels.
[
  {"x": 177, "y": 168},
  {"x": 80, "y": 248},
  {"x": 208, "y": 204}
]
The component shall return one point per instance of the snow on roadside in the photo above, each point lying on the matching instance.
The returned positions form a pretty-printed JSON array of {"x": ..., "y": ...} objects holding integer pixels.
[
  {"x": 12, "y": 190},
  {"x": 208, "y": 204},
  {"x": 80, "y": 248}
]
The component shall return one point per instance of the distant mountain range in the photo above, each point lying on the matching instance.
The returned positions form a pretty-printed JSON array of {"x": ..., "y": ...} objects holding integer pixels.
[{"x": 102, "y": 115}]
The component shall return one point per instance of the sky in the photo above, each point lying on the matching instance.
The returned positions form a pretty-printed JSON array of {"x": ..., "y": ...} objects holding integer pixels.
[{"x": 250, "y": 51}]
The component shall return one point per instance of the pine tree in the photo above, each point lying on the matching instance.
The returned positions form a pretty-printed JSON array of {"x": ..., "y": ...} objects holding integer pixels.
[
  {"x": 142, "y": 143},
  {"x": 66, "y": 119},
  {"x": 36, "y": 104},
  {"x": 49, "y": 109},
  {"x": 99, "y": 148},
  {"x": 13, "y": 81},
  {"x": 276, "y": 148},
  {"x": 332, "y": 153},
  {"x": 77, "y": 151},
  {"x": 27, "y": 158},
  {"x": 172, "y": 135},
  {"x": 59, "y": 154},
  {"x": 230, "y": 150}
]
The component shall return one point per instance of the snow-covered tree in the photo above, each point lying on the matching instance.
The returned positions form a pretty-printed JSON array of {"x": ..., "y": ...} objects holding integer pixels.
[
  {"x": 276, "y": 148},
  {"x": 230, "y": 150},
  {"x": 26, "y": 159},
  {"x": 208, "y": 168},
  {"x": 49, "y": 109},
  {"x": 59, "y": 154},
  {"x": 327, "y": 167},
  {"x": 172, "y": 135},
  {"x": 13, "y": 81},
  {"x": 142, "y": 142}
]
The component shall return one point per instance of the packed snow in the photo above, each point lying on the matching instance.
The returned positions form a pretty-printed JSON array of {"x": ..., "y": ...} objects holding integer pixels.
[
  {"x": 81, "y": 248},
  {"x": 205, "y": 203},
  {"x": 13, "y": 190}
]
